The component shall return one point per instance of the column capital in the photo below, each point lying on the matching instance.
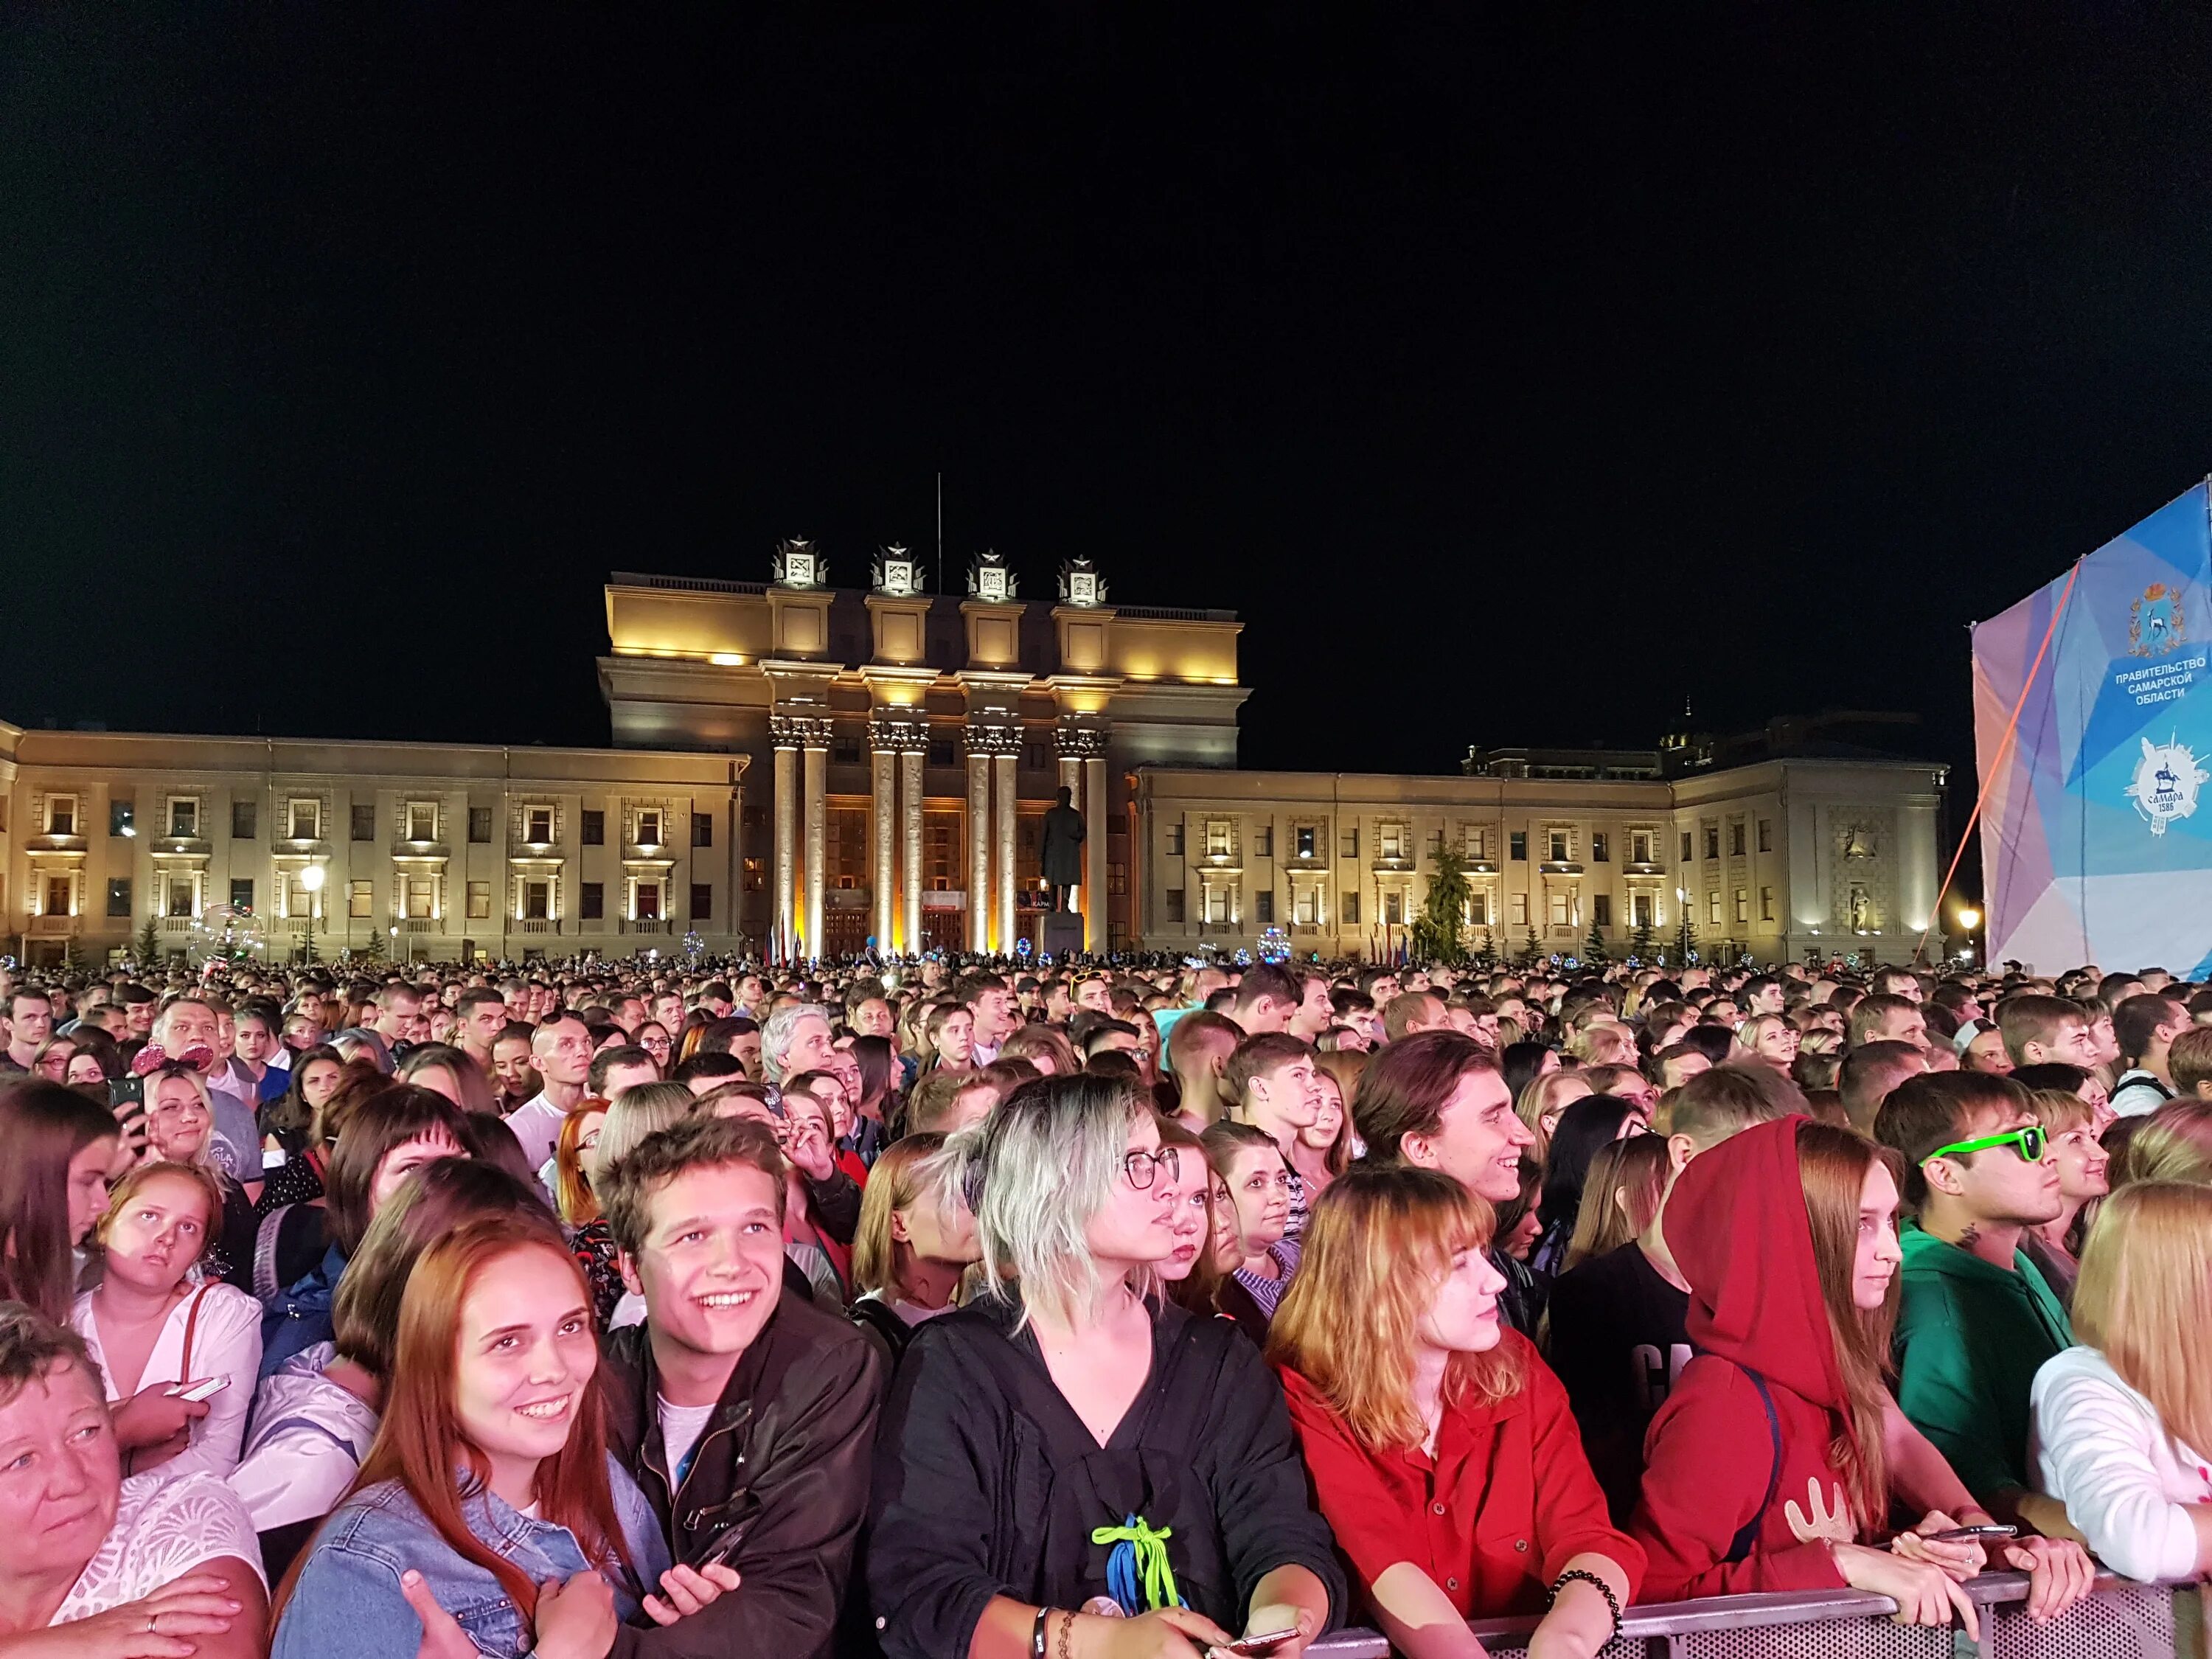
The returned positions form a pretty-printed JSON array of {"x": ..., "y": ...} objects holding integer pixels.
[
  {"x": 898, "y": 732},
  {"x": 792, "y": 731},
  {"x": 1075, "y": 738},
  {"x": 994, "y": 737}
]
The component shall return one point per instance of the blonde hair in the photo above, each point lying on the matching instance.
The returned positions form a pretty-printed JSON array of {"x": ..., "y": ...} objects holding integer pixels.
[
  {"x": 1634, "y": 1168},
  {"x": 1380, "y": 1241},
  {"x": 2144, "y": 1298},
  {"x": 203, "y": 1158},
  {"x": 910, "y": 1171},
  {"x": 1536, "y": 1100},
  {"x": 140, "y": 1176},
  {"x": 2174, "y": 1143}
]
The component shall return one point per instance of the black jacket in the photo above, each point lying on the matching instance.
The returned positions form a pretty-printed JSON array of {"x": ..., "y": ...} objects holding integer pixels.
[
  {"x": 786, "y": 1454},
  {"x": 987, "y": 1484}
]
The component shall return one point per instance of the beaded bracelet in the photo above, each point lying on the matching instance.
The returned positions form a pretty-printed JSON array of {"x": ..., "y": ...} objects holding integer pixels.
[{"x": 1605, "y": 1589}]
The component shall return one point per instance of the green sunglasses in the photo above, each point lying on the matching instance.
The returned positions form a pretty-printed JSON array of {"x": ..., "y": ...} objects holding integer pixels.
[{"x": 2030, "y": 1142}]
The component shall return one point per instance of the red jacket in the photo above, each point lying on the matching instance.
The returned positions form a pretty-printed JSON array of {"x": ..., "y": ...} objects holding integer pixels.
[
  {"x": 1507, "y": 1500},
  {"x": 1736, "y": 1226}
]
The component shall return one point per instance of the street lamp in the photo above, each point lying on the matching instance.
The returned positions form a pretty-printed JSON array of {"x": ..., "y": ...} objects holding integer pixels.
[
  {"x": 1970, "y": 918},
  {"x": 311, "y": 878}
]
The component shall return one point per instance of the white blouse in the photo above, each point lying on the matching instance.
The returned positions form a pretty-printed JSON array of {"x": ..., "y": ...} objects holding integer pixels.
[
  {"x": 226, "y": 1343},
  {"x": 163, "y": 1529},
  {"x": 2102, "y": 1450}
]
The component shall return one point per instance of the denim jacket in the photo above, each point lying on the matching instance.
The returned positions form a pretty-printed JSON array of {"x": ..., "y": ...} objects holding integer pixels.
[{"x": 347, "y": 1604}]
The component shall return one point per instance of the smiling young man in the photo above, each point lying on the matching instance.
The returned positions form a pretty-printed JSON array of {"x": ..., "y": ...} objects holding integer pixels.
[
  {"x": 1270, "y": 1079},
  {"x": 1977, "y": 1319},
  {"x": 734, "y": 1406}
]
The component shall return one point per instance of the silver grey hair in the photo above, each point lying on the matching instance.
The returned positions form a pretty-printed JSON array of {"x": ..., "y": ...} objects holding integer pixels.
[
  {"x": 776, "y": 1035},
  {"x": 1038, "y": 1168}
]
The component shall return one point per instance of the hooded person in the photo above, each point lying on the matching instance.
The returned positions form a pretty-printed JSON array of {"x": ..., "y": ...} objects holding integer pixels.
[{"x": 1764, "y": 1468}]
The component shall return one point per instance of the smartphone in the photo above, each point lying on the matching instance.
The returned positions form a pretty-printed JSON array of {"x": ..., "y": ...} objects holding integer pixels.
[
  {"x": 1956, "y": 1533},
  {"x": 723, "y": 1547},
  {"x": 1265, "y": 1642},
  {"x": 199, "y": 1391}
]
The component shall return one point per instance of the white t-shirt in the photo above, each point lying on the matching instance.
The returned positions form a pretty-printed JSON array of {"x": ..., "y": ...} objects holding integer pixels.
[
  {"x": 680, "y": 1429},
  {"x": 226, "y": 1343},
  {"x": 537, "y": 1125},
  {"x": 162, "y": 1530}
]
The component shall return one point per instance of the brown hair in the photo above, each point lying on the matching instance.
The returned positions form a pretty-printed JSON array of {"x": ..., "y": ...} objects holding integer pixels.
[
  {"x": 137, "y": 1178},
  {"x": 1403, "y": 1091},
  {"x": 1832, "y": 1165},
  {"x": 1260, "y": 1056},
  {"x": 1635, "y": 1169},
  {"x": 1930, "y": 1110},
  {"x": 32, "y": 1346},
  {"x": 1378, "y": 1241},
  {"x": 900, "y": 1176},
  {"x": 44, "y": 1126},
  {"x": 387, "y": 1120},
  {"x": 2188, "y": 1060},
  {"x": 696, "y": 1143},
  {"x": 1197, "y": 1290}
]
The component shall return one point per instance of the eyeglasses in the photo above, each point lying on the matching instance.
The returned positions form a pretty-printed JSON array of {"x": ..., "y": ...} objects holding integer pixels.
[
  {"x": 1143, "y": 1168},
  {"x": 2029, "y": 1142}
]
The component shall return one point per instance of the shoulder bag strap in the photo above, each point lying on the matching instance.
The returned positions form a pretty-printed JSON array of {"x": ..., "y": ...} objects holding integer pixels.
[
  {"x": 1746, "y": 1535},
  {"x": 191, "y": 1327}
]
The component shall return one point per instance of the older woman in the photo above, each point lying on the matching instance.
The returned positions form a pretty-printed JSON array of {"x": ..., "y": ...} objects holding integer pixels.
[
  {"x": 180, "y": 1129},
  {"x": 1065, "y": 1440},
  {"x": 97, "y": 1566}
]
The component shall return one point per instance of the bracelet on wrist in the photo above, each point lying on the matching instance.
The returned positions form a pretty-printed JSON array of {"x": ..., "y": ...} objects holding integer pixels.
[
  {"x": 1067, "y": 1637},
  {"x": 1612, "y": 1601},
  {"x": 1036, "y": 1633}
]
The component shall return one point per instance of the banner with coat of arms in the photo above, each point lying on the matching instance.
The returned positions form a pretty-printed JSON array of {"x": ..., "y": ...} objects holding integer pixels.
[{"x": 2092, "y": 847}]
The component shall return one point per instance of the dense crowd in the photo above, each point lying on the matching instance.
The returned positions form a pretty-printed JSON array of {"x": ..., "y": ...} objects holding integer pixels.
[{"x": 1111, "y": 1311}]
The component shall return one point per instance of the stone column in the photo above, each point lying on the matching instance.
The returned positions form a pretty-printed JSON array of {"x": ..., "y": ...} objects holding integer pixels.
[
  {"x": 911, "y": 756},
  {"x": 1096, "y": 933},
  {"x": 786, "y": 836},
  {"x": 883, "y": 761},
  {"x": 979, "y": 843},
  {"x": 1003, "y": 764},
  {"x": 818, "y": 767}
]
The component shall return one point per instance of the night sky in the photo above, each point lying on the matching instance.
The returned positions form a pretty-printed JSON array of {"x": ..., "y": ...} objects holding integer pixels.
[{"x": 1515, "y": 371}]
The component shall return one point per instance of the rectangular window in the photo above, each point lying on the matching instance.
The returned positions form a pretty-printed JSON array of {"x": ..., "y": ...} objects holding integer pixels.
[
  {"x": 591, "y": 827},
  {"x": 1472, "y": 843},
  {"x": 703, "y": 829},
  {"x": 1639, "y": 910},
  {"x": 1712, "y": 841},
  {"x": 122, "y": 818},
  {"x": 306, "y": 818},
  {"x": 1348, "y": 844},
  {"x": 1518, "y": 905},
  {"x": 1742, "y": 905},
  {"x": 364, "y": 820},
  {"x": 756, "y": 875},
  {"x": 1220, "y": 834},
  {"x": 539, "y": 828},
  {"x": 1559, "y": 846},
  {"x": 1263, "y": 907},
  {"x": 1601, "y": 910},
  {"x": 360, "y": 896},
  {"x": 1713, "y": 907},
  {"x": 479, "y": 901},
  {"x": 180, "y": 895},
  {"x": 1766, "y": 904},
  {"x": 1216, "y": 900},
  {"x": 1477, "y": 909},
  {"x": 1174, "y": 904},
  {"x": 1600, "y": 850},
  {"x": 1685, "y": 846},
  {"x": 1307, "y": 835},
  {"x": 702, "y": 901},
  {"x": 119, "y": 896},
  {"x": 1175, "y": 840},
  {"x": 648, "y": 900},
  {"x": 648, "y": 829},
  {"x": 59, "y": 899},
  {"x": 244, "y": 820},
  {"x": 1436, "y": 842},
  {"x": 1560, "y": 915},
  {"x": 1390, "y": 841},
  {"x": 538, "y": 899},
  {"x": 592, "y": 901},
  {"x": 1516, "y": 845},
  {"x": 1640, "y": 847},
  {"x": 1766, "y": 835},
  {"x": 421, "y": 820},
  {"x": 1735, "y": 839},
  {"x": 1349, "y": 910},
  {"x": 242, "y": 893},
  {"x": 480, "y": 825},
  {"x": 61, "y": 814},
  {"x": 1306, "y": 907},
  {"x": 846, "y": 752},
  {"x": 418, "y": 898},
  {"x": 1263, "y": 842},
  {"x": 1393, "y": 909}
]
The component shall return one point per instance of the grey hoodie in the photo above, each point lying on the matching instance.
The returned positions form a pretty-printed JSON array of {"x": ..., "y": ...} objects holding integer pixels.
[{"x": 306, "y": 1444}]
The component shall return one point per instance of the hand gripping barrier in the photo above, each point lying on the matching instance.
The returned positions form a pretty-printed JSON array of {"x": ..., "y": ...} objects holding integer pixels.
[{"x": 2123, "y": 1619}]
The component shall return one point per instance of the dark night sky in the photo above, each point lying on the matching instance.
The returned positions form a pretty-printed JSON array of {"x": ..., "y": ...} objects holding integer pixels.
[{"x": 1514, "y": 371}]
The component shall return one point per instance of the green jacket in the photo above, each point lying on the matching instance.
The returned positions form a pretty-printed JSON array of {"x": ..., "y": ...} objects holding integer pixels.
[{"x": 1970, "y": 1338}]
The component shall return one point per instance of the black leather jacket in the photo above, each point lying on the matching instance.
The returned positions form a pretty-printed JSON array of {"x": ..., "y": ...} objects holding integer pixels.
[{"x": 786, "y": 1454}]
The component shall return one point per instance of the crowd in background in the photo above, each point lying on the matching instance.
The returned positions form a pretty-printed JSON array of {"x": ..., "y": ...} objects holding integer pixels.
[{"x": 1105, "y": 1310}]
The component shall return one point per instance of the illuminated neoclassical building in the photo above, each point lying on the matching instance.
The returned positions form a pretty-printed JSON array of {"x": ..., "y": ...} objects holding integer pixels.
[{"x": 904, "y": 746}]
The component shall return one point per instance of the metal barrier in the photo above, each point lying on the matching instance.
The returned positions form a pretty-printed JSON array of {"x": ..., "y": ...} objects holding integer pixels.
[{"x": 2122, "y": 1620}]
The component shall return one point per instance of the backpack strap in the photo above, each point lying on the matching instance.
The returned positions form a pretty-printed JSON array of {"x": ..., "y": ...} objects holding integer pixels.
[
  {"x": 1746, "y": 1535},
  {"x": 265, "y": 1238}
]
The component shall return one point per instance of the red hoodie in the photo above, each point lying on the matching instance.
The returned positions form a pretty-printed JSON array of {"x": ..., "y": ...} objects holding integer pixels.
[{"x": 1736, "y": 1226}]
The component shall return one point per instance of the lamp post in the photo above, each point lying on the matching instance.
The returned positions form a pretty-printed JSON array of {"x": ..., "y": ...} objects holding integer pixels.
[
  {"x": 311, "y": 878},
  {"x": 1970, "y": 918}
]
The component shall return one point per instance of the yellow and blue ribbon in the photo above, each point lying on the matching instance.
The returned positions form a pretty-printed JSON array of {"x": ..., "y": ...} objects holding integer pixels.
[{"x": 1138, "y": 1563}]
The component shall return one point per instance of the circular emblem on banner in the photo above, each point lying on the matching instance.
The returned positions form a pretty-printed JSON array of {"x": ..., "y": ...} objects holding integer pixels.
[{"x": 2167, "y": 778}]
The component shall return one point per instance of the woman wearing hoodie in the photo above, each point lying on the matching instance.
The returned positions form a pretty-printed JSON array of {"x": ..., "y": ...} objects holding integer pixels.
[{"x": 1767, "y": 1468}]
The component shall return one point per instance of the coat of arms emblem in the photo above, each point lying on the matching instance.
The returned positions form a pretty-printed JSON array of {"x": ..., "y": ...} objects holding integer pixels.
[{"x": 2167, "y": 778}]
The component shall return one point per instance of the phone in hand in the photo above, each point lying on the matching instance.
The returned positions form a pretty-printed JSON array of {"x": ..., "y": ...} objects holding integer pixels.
[
  {"x": 1267, "y": 1642},
  {"x": 723, "y": 1547},
  {"x": 199, "y": 1391},
  {"x": 1952, "y": 1535}
]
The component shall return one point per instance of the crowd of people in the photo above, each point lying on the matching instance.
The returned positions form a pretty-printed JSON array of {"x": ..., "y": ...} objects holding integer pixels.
[{"x": 1114, "y": 1310}]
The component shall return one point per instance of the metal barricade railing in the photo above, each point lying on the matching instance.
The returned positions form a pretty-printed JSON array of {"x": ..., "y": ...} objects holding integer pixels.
[{"x": 2123, "y": 1619}]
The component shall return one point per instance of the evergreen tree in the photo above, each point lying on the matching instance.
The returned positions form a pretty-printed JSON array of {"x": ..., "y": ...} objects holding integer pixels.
[
  {"x": 1437, "y": 929},
  {"x": 1644, "y": 943},
  {"x": 1594, "y": 946},
  {"x": 1531, "y": 951},
  {"x": 150, "y": 943}
]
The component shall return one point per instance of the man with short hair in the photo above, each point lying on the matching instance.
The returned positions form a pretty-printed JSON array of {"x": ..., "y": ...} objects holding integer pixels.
[
  {"x": 1414, "y": 1011},
  {"x": 1314, "y": 1013},
  {"x": 1437, "y": 1101},
  {"x": 991, "y": 1006},
  {"x": 1265, "y": 999},
  {"x": 2145, "y": 1026},
  {"x": 1198, "y": 1054},
  {"x": 626, "y": 1010},
  {"x": 479, "y": 1016},
  {"x": 1896, "y": 982},
  {"x": 945, "y": 1102},
  {"x": 30, "y": 1022},
  {"x": 1760, "y": 994},
  {"x": 397, "y": 1007},
  {"x": 1885, "y": 1018},
  {"x": 795, "y": 1040},
  {"x": 2039, "y": 1030},
  {"x": 560, "y": 1052},
  {"x": 1271, "y": 1079},
  {"x": 743, "y": 1414},
  {"x": 1869, "y": 1072},
  {"x": 1678, "y": 1063},
  {"x": 1975, "y": 1320},
  {"x": 2189, "y": 1062},
  {"x": 618, "y": 1066}
]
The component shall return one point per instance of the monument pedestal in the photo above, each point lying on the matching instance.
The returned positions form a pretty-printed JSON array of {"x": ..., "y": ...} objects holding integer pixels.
[{"x": 1061, "y": 934}]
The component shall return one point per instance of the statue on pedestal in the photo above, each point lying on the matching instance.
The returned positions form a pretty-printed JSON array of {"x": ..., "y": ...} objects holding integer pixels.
[{"x": 1062, "y": 850}]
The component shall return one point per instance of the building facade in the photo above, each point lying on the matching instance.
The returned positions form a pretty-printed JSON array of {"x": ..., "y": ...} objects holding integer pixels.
[
  {"x": 419, "y": 851},
  {"x": 1781, "y": 859}
]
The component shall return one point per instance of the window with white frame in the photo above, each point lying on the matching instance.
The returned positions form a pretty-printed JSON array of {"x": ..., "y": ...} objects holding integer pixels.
[
  {"x": 61, "y": 896},
  {"x": 1473, "y": 841},
  {"x": 421, "y": 820},
  {"x": 1220, "y": 839},
  {"x": 1559, "y": 840},
  {"x": 61, "y": 814},
  {"x": 305, "y": 816},
  {"x": 185, "y": 817},
  {"x": 1393, "y": 908},
  {"x": 1519, "y": 905},
  {"x": 1639, "y": 842},
  {"x": 1216, "y": 905},
  {"x": 420, "y": 890},
  {"x": 1713, "y": 907},
  {"x": 1477, "y": 909},
  {"x": 360, "y": 895},
  {"x": 538, "y": 828},
  {"x": 1560, "y": 915},
  {"x": 1390, "y": 841},
  {"x": 537, "y": 899},
  {"x": 1307, "y": 905},
  {"x": 648, "y": 900},
  {"x": 180, "y": 895},
  {"x": 648, "y": 829},
  {"x": 1639, "y": 908}
]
